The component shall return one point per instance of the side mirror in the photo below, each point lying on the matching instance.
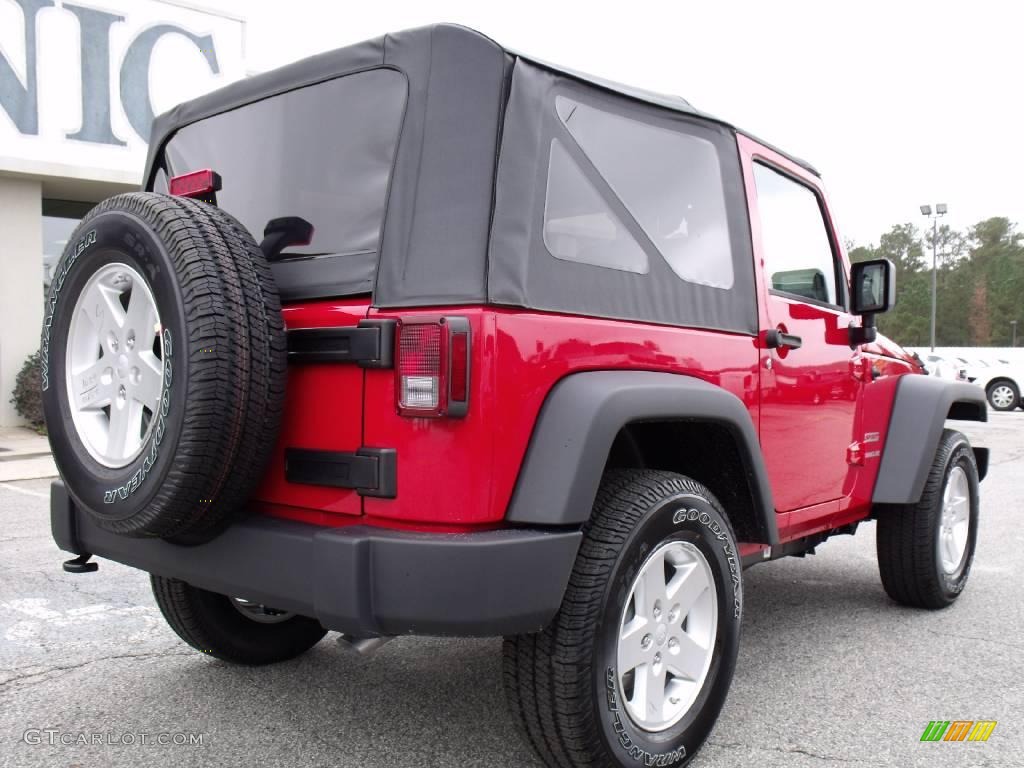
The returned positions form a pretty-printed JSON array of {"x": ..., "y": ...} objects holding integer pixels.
[
  {"x": 874, "y": 290},
  {"x": 874, "y": 287}
]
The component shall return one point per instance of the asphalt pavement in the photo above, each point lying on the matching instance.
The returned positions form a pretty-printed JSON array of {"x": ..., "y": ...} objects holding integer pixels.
[{"x": 830, "y": 670}]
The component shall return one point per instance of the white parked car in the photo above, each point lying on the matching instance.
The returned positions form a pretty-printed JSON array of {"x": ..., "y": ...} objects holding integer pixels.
[
  {"x": 942, "y": 367},
  {"x": 1002, "y": 384}
]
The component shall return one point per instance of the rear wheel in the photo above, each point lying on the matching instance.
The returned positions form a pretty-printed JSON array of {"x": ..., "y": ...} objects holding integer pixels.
[
  {"x": 233, "y": 629},
  {"x": 1003, "y": 395},
  {"x": 636, "y": 665},
  {"x": 925, "y": 550}
]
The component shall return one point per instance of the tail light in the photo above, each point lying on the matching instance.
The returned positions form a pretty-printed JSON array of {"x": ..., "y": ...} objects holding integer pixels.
[{"x": 433, "y": 367}]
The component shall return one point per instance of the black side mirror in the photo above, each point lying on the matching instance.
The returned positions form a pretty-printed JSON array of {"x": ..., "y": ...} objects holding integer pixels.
[{"x": 874, "y": 290}]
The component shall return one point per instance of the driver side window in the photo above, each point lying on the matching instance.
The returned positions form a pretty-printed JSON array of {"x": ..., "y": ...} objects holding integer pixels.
[{"x": 798, "y": 255}]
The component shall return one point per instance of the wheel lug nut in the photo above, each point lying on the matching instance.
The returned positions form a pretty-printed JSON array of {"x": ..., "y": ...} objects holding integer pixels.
[
  {"x": 673, "y": 615},
  {"x": 112, "y": 341},
  {"x": 130, "y": 340},
  {"x": 673, "y": 645},
  {"x": 121, "y": 393},
  {"x": 657, "y": 610},
  {"x": 645, "y": 641}
]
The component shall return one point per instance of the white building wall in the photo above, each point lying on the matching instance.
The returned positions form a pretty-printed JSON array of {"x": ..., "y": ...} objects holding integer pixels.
[{"x": 21, "y": 283}]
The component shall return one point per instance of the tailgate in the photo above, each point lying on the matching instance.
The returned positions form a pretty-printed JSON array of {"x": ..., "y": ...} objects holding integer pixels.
[{"x": 323, "y": 412}]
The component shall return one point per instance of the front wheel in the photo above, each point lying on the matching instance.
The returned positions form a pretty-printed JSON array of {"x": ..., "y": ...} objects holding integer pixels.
[
  {"x": 636, "y": 665},
  {"x": 233, "y": 629},
  {"x": 925, "y": 550}
]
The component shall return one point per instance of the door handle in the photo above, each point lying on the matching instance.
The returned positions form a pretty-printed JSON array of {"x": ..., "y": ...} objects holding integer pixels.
[{"x": 776, "y": 339}]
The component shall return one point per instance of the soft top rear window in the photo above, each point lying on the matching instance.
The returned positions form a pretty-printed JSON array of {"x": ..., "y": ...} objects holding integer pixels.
[{"x": 325, "y": 153}]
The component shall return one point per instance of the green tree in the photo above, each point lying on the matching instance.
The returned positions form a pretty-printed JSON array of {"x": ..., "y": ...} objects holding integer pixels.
[
  {"x": 996, "y": 261},
  {"x": 979, "y": 282}
]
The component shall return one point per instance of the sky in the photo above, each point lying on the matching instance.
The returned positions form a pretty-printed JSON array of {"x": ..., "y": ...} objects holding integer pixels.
[{"x": 897, "y": 103}]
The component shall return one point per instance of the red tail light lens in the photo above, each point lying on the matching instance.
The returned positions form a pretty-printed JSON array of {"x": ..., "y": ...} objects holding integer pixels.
[
  {"x": 198, "y": 184},
  {"x": 458, "y": 389},
  {"x": 433, "y": 367}
]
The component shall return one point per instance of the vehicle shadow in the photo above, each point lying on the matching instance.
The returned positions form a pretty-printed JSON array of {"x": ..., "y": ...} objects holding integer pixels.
[{"x": 423, "y": 701}]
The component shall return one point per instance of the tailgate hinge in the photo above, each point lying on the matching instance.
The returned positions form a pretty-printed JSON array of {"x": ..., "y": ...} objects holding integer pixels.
[
  {"x": 371, "y": 344},
  {"x": 369, "y": 471}
]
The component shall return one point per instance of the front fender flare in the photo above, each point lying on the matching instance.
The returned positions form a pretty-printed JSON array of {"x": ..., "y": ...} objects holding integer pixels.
[
  {"x": 580, "y": 419},
  {"x": 919, "y": 412}
]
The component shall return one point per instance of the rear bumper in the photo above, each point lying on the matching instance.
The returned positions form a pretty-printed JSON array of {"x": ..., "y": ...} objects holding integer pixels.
[{"x": 360, "y": 580}]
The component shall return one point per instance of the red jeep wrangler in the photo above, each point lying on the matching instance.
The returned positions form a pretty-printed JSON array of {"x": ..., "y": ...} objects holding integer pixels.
[{"x": 521, "y": 352}]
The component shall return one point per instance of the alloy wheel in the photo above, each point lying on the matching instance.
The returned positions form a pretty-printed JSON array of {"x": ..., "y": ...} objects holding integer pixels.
[
  {"x": 114, "y": 365},
  {"x": 667, "y": 635}
]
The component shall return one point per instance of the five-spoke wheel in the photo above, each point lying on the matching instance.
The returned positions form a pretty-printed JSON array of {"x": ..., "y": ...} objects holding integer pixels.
[
  {"x": 114, "y": 364},
  {"x": 955, "y": 523},
  {"x": 667, "y": 634}
]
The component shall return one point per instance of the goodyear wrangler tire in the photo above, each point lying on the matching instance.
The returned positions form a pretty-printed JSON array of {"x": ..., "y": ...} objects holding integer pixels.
[
  {"x": 233, "y": 630},
  {"x": 635, "y": 667},
  {"x": 163, "y": 366},
  {"x": 925, "y": 550}
]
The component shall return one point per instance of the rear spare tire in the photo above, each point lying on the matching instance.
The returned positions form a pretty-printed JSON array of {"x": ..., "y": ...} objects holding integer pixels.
[{"x": 163, "y": 366}]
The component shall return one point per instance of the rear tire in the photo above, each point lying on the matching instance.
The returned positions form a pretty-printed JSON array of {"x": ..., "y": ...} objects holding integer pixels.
[
  {"x": 925, "y": 550},
  {"x": 604, "y": 684},
  {"x": 221, "y": 627}
]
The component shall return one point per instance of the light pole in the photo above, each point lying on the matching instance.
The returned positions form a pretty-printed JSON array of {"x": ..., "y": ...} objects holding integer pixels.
[{"x": 940, "y": 210}]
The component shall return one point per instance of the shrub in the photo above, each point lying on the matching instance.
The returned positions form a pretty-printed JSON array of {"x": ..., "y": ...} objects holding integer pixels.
[{"x": 28, "y": 393}]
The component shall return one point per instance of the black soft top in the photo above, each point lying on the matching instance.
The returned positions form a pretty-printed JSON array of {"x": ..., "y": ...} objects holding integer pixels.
[
  {"x": 465, "y": 189},
  {"x": 375, "y": 52}
]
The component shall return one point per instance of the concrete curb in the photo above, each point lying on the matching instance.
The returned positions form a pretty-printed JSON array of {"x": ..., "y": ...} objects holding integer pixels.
[{"x": 24, "y": 455}]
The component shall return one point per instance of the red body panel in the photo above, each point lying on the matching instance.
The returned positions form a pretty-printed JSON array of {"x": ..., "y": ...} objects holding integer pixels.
[
  {"x": 323, "y": 410},
  {"x": 821, "y": 410},
  {"x": 464, "y": 470},
  {"x": 808, "y": 395}
]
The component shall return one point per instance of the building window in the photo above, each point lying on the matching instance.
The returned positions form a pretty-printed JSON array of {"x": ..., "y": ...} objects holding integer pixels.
[{"x": 60, "y": 217}]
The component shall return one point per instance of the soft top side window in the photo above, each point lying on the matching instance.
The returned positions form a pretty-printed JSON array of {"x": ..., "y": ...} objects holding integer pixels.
[
  {"x": 669, "y": 181},
  {"x": 579, "y": 225}
]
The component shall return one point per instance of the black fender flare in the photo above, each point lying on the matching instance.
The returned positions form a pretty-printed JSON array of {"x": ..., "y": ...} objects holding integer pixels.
[
  {"x": 581, "y": 417},
  {"x": 919, "y": 412}
]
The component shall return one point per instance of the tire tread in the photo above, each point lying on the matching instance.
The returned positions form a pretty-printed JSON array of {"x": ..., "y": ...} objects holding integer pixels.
[
  {"x": 906, "y": 533},
  {"x": 547, "y": 674}
]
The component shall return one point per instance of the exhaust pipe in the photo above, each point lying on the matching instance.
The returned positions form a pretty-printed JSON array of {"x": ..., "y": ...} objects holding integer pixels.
[{"x": 364, "y": 646}]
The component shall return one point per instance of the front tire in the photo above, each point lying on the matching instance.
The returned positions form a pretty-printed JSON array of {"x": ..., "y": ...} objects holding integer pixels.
[
  {"x": 635, "y": 667},
  {"x": 233, "y": 630},
  {"x": 925, "y": 550}
]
